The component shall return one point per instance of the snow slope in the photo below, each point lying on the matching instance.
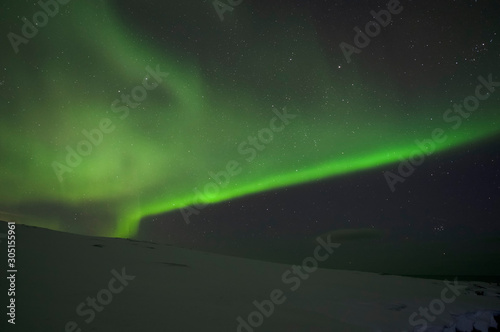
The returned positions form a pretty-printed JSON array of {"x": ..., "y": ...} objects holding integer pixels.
[{"x": 156, "y": 287}]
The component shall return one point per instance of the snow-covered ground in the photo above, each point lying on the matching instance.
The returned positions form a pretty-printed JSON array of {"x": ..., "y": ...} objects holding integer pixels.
[{"x": 68, "y": 282}]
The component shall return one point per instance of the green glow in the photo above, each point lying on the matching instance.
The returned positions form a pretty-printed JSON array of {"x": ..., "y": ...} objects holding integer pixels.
[{"x": 194, "y": 121}]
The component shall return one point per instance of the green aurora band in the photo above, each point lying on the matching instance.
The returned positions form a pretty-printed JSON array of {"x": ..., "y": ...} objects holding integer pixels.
[{"x": 65, "y": 79}]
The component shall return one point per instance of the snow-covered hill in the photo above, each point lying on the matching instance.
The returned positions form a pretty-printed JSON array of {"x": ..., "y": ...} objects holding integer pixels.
[{"x": 72, "y": 283}]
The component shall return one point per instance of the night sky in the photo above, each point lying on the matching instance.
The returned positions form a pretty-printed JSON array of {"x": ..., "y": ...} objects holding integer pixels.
[{"x": 253, "y": 134}]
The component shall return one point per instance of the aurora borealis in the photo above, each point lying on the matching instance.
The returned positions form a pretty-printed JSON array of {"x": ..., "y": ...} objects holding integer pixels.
[{"x": 221, "y": 85}]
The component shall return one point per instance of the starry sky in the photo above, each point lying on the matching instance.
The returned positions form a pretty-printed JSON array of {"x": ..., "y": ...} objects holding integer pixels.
[{"x": 160, "y": 120}]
